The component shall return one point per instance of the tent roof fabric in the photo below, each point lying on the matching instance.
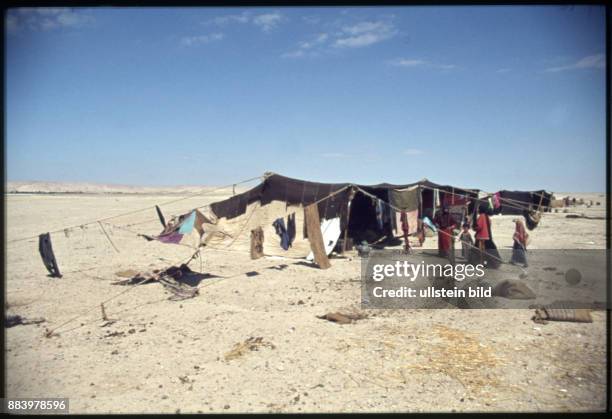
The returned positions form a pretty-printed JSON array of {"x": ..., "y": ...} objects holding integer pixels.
[{"x": 300, "y": 192}]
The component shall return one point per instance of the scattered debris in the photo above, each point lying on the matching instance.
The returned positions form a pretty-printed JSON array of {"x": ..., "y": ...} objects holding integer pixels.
[
  {"x": 514, "y": 290},
  {"x": 128, "y": 273},
  {"x": 250, "y": 344},
  {"x": 16, "y": 320},
  {"x": 103, "y": 312},
  {"x": 174, "y": 279},
  {"x": 561, "y": 311},
  {"x": 587, "y": 217},
  {"x": 342, "y": 318},
  {"x": 50, "y": 333},
  {"x": 113, "y": 334}
]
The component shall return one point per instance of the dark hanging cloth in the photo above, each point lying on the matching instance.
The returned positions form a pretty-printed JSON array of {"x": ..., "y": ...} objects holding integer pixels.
[
  {"x": 379, "y": 214},
  {"x": 492, "y": 255},
  {"x": 46, "y": 252},
  {"x": 407, "y": 200},
  {"x": 281, "y": 231},
  {"x": 532, "y": 218},
  {"x": 162, "y": 220},
  {"x": 515, "y": 202},
  {"x": 291, "y": 228}
]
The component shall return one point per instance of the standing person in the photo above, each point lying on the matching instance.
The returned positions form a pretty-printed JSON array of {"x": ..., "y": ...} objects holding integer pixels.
[
  {"x": 519, "y": 248},
  {"x": 482, "y": 230},
  {"x": 445, "y": 223},
  {"x": 466, "y": 241}
]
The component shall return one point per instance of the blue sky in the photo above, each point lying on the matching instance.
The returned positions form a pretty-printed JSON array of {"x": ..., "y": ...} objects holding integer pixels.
[{"x": 486, "y": 97}]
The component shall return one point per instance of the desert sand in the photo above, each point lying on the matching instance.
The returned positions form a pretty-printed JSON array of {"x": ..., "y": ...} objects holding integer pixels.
[{"x": 167, "y": 356}]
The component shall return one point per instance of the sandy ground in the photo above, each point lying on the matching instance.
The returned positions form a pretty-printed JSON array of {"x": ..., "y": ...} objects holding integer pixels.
[{"x": 168, "y": 356}]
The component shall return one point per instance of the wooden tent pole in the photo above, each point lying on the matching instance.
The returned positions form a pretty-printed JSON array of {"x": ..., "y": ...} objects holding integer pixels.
[
  {"x": 541, "y": 198},
  {"x": 420, "y": 192},
  {"x": 348, "y": 218}
]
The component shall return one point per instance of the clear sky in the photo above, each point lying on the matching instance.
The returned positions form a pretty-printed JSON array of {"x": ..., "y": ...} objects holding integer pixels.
[{"x": 485, "y": 97}]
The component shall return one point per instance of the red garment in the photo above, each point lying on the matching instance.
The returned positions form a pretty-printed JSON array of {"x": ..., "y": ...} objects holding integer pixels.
[
  {"x": 444, "y": 220},
  {"x": 482, "y": 227},
  {"x": 520, "y": 234},
  {"x": 444, "y": 239},
  {"x": 453, "y": 199},
  {"x": 405, "y": 225},
  {"x": 445, "y": 223}
]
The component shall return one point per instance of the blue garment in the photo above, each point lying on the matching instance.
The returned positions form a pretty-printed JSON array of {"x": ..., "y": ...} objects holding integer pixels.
[
  {"x": 429, "y": 224},
  {"x": 279, "y": 227},
  {"x": 187, "y": 224}
]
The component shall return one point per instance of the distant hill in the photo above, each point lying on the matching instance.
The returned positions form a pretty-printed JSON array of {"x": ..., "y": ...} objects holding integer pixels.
[{"x": 98, "y": 188}]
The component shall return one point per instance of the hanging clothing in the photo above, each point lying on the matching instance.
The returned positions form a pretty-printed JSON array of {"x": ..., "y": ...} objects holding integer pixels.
[
  {"x": 281, "y": 231},
  {"x": 179, "y": 227},
  {"x": 379, "y": 214},
  {"x": 47, "y": 255},
  {"x": 413, "y": 221},
  {"x": 170, "y": 238},
  {"x": 405, "y": 229},
  {"x": 291, "y": 228},
  {"x": 405, "y": 199},
  {"x": 186, "y": 226},
  {"x": 452, "y": 199},
  {"x": 496, "y": 201},
  {"x": 429, "y": 224}
]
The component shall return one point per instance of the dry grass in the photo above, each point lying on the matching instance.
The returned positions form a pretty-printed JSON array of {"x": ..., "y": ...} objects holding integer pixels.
[
  {"x": 462, "y": 357},
  {"x": 251, "y": 344}
]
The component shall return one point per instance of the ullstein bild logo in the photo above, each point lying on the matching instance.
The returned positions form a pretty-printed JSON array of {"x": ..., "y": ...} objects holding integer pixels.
[{"x": 560, "y": 278}]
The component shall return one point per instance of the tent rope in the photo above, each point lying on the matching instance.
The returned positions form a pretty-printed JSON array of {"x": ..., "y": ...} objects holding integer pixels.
[
  {"x": 374, "y": 197},
  {"x": 200, "y": 193},
  {"x": 486, "y": 200},
  {"x": 55, "y": 329}
]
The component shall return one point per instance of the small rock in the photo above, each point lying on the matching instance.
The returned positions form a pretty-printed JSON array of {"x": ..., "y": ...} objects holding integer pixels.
[{"x": 227, "y": 406}]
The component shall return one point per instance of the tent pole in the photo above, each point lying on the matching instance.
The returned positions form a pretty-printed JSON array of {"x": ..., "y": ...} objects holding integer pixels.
[
  {"x": 541, "y": 198},
  {"x": 348, "y": 218}
]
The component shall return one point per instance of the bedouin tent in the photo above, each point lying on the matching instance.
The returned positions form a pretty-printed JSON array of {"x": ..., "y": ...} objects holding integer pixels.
[
  {"x": 516, "y": 202},
  {"x": 373, "y": 211}
]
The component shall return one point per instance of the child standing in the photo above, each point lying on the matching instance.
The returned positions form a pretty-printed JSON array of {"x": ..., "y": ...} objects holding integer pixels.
[
  {"x": 466, "y": 241},
  {"x": 519, "y": 248}
]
